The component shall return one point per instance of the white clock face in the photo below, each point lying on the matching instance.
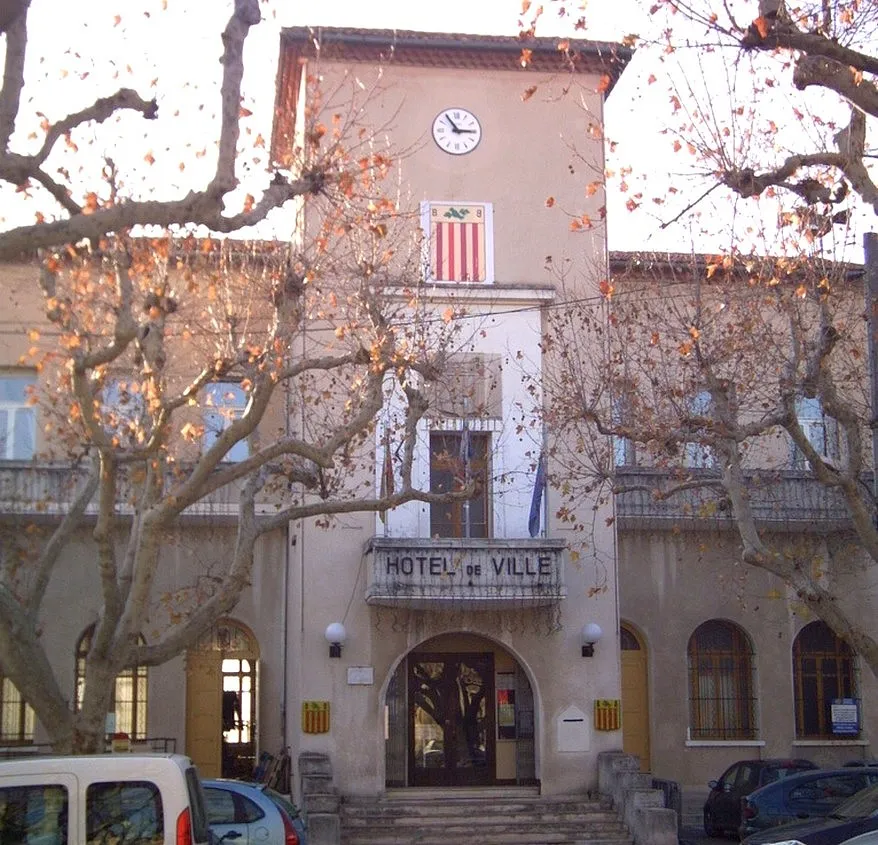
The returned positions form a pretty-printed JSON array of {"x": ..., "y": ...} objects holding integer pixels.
[{"x": 457, "y": 131}]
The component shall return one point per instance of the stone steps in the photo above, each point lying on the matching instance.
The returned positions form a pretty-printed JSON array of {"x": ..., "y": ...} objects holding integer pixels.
[{"x": 497, "y": 819}]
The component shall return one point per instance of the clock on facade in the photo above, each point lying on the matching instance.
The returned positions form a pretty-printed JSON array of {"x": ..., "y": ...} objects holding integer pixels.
[{"x": 457, "y": 131}]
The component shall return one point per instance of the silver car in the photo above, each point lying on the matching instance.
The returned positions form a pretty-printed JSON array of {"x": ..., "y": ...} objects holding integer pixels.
[{"x": 243, "y": 813}]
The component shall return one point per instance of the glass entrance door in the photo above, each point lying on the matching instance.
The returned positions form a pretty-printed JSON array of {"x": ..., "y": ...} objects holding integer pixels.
[{"x": 451, "y": 719}]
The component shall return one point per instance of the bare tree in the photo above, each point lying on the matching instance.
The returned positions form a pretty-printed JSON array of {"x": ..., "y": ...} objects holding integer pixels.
[
  {"x": 95, "y": 215},
  {"x": 176, "y": 372},
  {"x": 682, "y": 393}
]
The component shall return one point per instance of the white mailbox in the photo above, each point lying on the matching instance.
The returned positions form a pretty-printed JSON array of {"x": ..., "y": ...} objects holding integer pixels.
[{"x": 574, "y": 731}]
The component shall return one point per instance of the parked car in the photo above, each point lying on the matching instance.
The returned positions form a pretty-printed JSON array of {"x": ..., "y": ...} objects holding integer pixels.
[
  {"x": 241, "y": 813},
  {"x": 851, "y": 818},
  {"x": 155, "y": 798},
  {"x": 808, "y": 795},
  {"x": 870, "y": 838},
  {"x": 722, "y": 810}
]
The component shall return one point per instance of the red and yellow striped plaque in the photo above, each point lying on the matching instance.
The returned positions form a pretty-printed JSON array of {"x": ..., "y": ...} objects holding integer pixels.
[
  {"x": 457, "y": 243},
  {"x": 315, "y": 717},
  {"x": 607, "y": 714}
]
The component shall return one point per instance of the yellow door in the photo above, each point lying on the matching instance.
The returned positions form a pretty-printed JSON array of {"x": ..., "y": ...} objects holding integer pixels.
[
  {"x": 204, "y": 711},
  {"x": 635, "y": 699}
]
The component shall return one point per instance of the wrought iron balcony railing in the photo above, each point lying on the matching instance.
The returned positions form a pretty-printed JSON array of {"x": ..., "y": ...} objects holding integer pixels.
[
  {"x": 788, "y": 498},
  {"x": 46, "y": 490}
]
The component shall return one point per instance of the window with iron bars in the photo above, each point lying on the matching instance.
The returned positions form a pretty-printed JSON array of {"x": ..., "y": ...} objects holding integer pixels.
[
  {"x": 16, "y": 715},
  {"x": 823, "y": 670},
  {"x": 128, "y": 699},
  {"x": 721, "y": 700}
]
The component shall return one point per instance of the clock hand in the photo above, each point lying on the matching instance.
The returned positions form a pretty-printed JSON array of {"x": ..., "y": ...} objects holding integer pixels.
[{"x": 454, "y": 127}]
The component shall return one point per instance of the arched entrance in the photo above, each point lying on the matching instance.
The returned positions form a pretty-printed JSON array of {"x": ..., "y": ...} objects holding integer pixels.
[
  {"x": 635, "y": 695},
  {"x": 459, "y": 712},
  {"x": 221, "y": 701}
]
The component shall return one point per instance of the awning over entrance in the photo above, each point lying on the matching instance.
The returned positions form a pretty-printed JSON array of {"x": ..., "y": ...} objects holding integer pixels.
[{"x": 473, "y": 573}]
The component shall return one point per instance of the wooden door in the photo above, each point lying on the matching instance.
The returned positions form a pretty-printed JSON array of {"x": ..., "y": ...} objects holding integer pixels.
[
  {"x": 635, "y": 697},
  {"x": 204, "y": 711}
]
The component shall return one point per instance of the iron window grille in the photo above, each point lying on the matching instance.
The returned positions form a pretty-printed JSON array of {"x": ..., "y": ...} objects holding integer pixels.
[
  {"x": 721, "y": 700},
  {"x": 823, "y": 670}
]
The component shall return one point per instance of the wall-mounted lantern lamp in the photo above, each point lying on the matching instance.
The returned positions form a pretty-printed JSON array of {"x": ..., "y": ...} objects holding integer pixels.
[
  {"x": 591, "y": 633},
  {"x": 335, "y": 636}
]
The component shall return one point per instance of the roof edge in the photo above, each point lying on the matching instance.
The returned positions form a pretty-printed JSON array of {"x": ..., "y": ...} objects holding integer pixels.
[{"x": 403, "y": 46}]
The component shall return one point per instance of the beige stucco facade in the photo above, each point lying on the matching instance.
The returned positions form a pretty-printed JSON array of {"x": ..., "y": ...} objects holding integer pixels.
[{"x": 672, "y": 582}]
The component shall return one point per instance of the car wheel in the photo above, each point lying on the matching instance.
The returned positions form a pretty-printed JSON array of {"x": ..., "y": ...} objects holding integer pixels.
[{"x": 710, "y": 828}]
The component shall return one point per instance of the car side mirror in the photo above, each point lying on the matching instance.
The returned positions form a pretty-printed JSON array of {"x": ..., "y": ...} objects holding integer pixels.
[{"x": 713, "y": 784}]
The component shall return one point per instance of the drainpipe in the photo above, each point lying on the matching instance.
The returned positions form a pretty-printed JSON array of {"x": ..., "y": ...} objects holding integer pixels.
[{"x": 285, "y": 648}]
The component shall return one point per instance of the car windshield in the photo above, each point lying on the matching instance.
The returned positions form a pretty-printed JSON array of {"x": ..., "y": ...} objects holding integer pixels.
[
  {"x": 863, "y": 804},
  {"x": 772, "y": 775}
]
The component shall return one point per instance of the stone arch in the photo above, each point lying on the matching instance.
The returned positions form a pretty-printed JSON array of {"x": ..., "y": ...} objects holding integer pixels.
[
  {"x": 222, "y": 700},
  {"x": 517, "y": 705}
]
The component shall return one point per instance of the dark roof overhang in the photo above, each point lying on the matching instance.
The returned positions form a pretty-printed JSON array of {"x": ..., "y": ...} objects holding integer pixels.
[{"x": 458, "y": 50}]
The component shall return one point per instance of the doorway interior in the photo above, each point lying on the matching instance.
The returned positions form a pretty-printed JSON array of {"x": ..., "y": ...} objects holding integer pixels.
[
  {"x": 459, "y": 711},
  {"x": 221, "y": 705}
]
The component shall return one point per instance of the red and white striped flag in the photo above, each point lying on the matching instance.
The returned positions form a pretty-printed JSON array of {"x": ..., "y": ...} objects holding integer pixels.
[{"x": 457, "y": 243}]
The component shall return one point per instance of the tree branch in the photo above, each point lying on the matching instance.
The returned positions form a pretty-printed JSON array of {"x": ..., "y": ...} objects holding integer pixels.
[
  {"x": 203, "y": 207},
  {"x": 15, "y": 26},
  {"x": 786, "y": 36},
  {"x": 200, "y": 208},
  {"x": 246, "y": 14},
  {"x": 843, "y": 79}
]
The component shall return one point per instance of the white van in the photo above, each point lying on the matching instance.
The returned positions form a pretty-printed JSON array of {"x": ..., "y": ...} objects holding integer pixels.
[{"x": 103, "y": 799}]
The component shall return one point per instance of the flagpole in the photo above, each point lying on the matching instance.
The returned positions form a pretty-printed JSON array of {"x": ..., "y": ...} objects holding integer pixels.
[
  {"x": 537, "y": 520},
  {"x": 464, "y": 448}
]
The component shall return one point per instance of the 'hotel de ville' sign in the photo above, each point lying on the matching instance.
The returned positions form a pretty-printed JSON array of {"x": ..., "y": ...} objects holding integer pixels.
[{"x": 480, "y": 573}]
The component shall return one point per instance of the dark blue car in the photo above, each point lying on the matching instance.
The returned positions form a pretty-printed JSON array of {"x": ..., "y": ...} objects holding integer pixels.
[
  {"x": 722, "y": 810},
  {"x": 857, "y": 815}
]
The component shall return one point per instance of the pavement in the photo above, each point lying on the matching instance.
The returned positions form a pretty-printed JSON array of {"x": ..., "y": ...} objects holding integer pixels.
[
  {"x": 690, "y": 835},
  {"x": 691, "y": 831}
]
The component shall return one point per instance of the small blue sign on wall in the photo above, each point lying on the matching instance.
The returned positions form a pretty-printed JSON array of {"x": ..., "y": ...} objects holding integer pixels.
[{"x": 845, "y": 717}]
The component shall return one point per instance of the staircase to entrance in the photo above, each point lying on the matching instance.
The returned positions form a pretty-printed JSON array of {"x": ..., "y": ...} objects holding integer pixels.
[{"x": 480, "y": 816}]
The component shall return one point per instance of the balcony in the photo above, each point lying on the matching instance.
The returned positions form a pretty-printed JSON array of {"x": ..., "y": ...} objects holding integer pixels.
[
  {"x": 44, "y": 491},
  {"x": 464, "y": 574},
  {"x": 789, "y": 499}
]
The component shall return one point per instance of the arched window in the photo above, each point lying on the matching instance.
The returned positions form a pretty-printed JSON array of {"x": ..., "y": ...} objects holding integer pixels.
[
  {"x": 128, "y": 700},
  {"x": 721, "y": 703},
  {"x": 627, "y": 640},
  {"x": 16, "y": 715},
  {"x": 823, "y": 670}
]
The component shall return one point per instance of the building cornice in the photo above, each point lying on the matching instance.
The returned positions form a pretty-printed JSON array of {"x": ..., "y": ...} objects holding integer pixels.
[{"x": 459, "y": 50}]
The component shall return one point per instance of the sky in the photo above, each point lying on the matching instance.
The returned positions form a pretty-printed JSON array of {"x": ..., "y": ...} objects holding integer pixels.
[{"x": 169, "y": 48}]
